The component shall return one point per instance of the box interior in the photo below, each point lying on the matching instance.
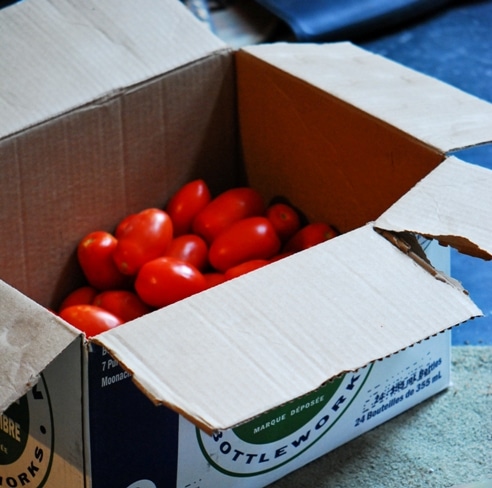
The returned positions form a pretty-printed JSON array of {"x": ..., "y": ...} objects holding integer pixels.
[
  {"x": 326, "y": 156},
  {"x": 86, "y": 170},
  {"x": 132, "y": 150}
]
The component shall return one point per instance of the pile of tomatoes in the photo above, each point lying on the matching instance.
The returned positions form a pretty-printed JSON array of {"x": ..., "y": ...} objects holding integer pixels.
[{"x": 159, "y": 256}]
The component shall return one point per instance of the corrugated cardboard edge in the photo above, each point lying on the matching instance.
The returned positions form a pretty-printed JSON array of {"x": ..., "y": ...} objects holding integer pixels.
[{"x": 227, "y": 355}]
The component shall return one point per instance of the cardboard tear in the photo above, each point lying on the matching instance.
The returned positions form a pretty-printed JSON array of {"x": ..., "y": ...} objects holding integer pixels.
[
  {"x": 408, "y": 244},
  {"x": 443, "y": 206},
  {"x": 463, "y": 245}
]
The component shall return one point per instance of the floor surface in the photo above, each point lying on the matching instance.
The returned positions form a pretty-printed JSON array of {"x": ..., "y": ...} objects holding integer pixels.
[{"x": 444, "y": 442}]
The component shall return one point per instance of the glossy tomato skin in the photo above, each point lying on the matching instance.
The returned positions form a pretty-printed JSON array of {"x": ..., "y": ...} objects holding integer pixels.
[
  {"x": 95, "y": 256},
  {"x": 125, "y": 304},
  {"x": 90, "y": 319},
  {"x": 121, "y": 227},
  {"x": 310, "y": 235},
  {"x": 83, "y": 295},
  {"x": 244, "y": 240},
  {"x": 166, "y": 280},
  {"x": 225, "y": 209},
  {"x": 245, "y": 267},
  {"x": 284, "y": 219},
  {"x": 280, "y": 256},
  {"x": 213, "y": 278},
  {"x": 143, "y": 237},
  {"x": 190, "y": 248},
  {"x": 185, "y": 204}
]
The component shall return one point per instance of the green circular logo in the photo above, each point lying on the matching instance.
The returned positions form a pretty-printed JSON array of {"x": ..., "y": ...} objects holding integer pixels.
[
  {"x": 288, "y": 418},
  {"x": 277, "y": 437}
]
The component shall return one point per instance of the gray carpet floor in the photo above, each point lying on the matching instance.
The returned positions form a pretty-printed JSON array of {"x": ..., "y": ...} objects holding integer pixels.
[{"x": 444, "y": 442}]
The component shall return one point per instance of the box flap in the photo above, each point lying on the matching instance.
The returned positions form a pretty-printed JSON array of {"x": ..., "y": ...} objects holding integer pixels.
[
  {"x": 61, "y": 54},
  {"x": 30, "y": 338},
  {"x": 230, "y": 353},
  {"x": 433, "y": 112},
  {"x": 451, "y": 204}
]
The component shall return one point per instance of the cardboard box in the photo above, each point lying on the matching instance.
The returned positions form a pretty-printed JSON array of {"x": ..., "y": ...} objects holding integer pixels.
[{"x": 107, "y": 108}]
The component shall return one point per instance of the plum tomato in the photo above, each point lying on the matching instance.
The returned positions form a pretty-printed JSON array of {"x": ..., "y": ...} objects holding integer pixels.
[
  {"x": 80, "y": 296},
  {"x": 125, "y": 304},
  {"x": 244, "y": 240},
  {"x": 245, "y": 267},
  {"x": 90, "y": 319},
  {"x": 280, "y": 256},
  {"x": 225, "y": 209},
  {"x": 121, "y": 227},
  {"x": 310, "y": 235},
  {"x": 95, "y": 256},
  {"x": 214, "y": 278},
  {"x": 183, "y": 206},
  {"x": 166, "y": 280},
  {"x": 285, "y": 220},
  {"x": 145, "y": 236},
  {"x": 190, "y": 248}
]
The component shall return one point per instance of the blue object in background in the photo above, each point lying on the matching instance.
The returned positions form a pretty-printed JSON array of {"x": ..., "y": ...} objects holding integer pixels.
[
  {"x": 455, "y": 45},
  {"x": 331, "y": 20}
]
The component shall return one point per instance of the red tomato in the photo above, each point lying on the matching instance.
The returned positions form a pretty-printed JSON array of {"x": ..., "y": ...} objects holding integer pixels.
[
  {"x": 214, "y": 278},
  {"x": 95, "y": 255},
  {"x": 284, "y": 219},
  {"x": 225, "y": 209},
  {"x": 120, "y": 228},
  {"x": 90, "y": 319},
  {"x": 310, "y": 235},
  {"x": 190, "y": 248},
  {"x": 166, "y": 280},
  {"x": 125, "y": 304},
  {"x": 80, "y": 296},
  {"x": 280, "y": 256},
  {"x": 144, "y": 237},
  {"x": 244, "y": 240},
  {"x": 245, "y": 267},
  {"x": 186, "y": 203}
]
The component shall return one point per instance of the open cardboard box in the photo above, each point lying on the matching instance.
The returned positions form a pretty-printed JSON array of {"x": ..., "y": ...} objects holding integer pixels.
[{"x": 107, "y": 108}]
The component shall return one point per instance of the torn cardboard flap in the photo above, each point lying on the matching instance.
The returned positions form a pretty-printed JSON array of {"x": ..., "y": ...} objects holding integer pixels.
[
  {"x": 452, "y": 204},
  {"x": 30, "y": 338},
  {"x": 77, "y": 53},
  {"x": 433, "y": 112},
  {"x": 228, "y": 354}
]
